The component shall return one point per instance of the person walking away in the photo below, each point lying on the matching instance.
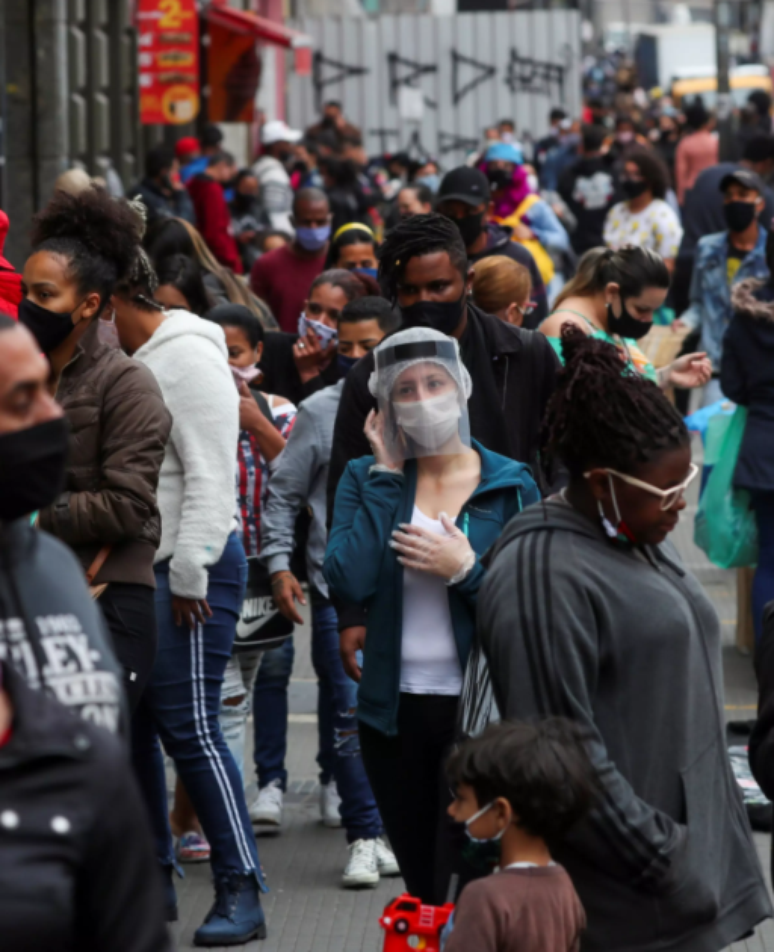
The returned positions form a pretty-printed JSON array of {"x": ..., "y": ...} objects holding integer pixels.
[
  {"x": 181, "y": 286},
  {"x": 502, "y": 287},
  {"x": 465, "y": 198},
  {"x": 409, "y": 525},
  {"x": 299, "y": 481},
  {"x": 201, "y": 572},
  {"x": 283, "y": 277},
  {"x": 614, "y": 297},
  {"x": 212, "y": 213},
  {"x": 51, "y": 630},
  {"x": 643, "y": 218},
  {"x": 271, "y": 170},
  {"x": 557, "y": 150},
  {"x": 723, "y": 261},
  {"x": 696, "y": 151},
  {"x": 249, "y": 219},
  {"x": 107, "y": 512},
  {"x": 747, "y": 378},
  {"x": 517, "y": 788},
  {"x": 161, "y": 191},
  {"x": 645, "y": 860},
  {"x": 588, "y": 186}
]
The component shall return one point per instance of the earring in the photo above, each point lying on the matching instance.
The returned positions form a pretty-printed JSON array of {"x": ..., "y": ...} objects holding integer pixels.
[{"x": 610, "y": 531}]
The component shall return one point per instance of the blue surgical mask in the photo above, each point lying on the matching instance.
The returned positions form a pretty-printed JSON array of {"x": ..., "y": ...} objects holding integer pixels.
[
  {"x": 323, "y": 333},
  {"x": 313, "y": 239},
  {"x": 345, "y": 363},
  {"x": 371, "y": 272},
  {"x": 433, "y": 182}
]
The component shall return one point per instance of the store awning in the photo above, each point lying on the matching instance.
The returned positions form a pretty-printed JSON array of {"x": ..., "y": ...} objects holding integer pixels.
[{"x": 242, "y": 21}]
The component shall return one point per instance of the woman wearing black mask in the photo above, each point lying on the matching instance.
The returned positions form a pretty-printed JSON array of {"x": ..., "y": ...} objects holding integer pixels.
[
  {"x": 613, "y": 297},
  {"x": 644, "y": 218},
  {"x": 83, "y": 245}
]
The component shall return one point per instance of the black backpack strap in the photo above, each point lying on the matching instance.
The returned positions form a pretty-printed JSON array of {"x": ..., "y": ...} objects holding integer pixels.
[{"x": 263, "y": 404}]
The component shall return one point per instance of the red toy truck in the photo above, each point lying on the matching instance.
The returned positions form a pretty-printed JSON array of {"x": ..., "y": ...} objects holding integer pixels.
[{"x": 411, "y": 925}]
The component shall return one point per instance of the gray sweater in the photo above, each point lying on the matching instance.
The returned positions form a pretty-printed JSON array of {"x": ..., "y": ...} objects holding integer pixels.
[
  {"x": 627, "y": 644},
  {"x": 299, "y": 480}
]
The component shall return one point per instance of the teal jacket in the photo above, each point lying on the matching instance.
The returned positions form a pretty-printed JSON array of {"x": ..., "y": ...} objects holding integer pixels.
[{"x": 362, "y": 569}]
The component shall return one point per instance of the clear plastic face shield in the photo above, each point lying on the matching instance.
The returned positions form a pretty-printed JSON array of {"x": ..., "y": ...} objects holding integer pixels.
[{"x": 422, "y": 388}]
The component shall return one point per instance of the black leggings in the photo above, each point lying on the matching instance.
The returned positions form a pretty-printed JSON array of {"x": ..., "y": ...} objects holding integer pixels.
[
  {"x": 407, "y": 777},
  {"x": 130, "y": 614}
]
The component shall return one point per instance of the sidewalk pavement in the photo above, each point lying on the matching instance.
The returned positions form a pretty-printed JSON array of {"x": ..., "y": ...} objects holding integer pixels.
[{"x": 307, "y": 911}]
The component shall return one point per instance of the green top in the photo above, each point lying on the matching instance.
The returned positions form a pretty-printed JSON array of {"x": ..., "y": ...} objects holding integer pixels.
[{"x": 635, "y": 359}]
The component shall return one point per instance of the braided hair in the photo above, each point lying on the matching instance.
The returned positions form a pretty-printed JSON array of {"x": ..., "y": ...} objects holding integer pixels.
[
  {"x": 416, "y": 236},
  {"x": 602, "y": 415}
]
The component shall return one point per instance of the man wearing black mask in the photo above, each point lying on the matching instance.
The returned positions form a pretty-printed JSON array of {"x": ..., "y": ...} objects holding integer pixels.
[
  {"x": 48, "y": 622},
  {"x": 722, "y": 260},
  {"x": 424, "y": 269},
  {"x": 161, "y": 191},
  {"x": 465, "y": 197}
]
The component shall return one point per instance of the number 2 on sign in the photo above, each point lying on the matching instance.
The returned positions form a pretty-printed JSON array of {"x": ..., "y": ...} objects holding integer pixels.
[{"x": 173, "y": 14}]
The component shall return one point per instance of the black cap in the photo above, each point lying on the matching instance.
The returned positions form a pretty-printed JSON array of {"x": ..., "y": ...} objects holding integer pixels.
[
  {"x": 744, "y": 177},
  {"x": 464, "y": 185}
]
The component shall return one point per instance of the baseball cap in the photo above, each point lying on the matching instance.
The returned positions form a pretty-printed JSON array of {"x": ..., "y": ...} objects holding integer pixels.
[
  {"x": 186, "y": 146},
  {"x": 464, "y": 185},
  {"x": 744, "y": 177},
  {"x": 278, "y": 131},
  {"x": 504, "y": 152}
]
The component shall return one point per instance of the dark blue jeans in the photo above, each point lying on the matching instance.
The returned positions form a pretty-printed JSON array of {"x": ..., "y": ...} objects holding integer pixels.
[
  {"x": 337, "y": 716},
  {"x": 763, "y": 584},
  {"x": 270, "y": 714},
  {"x": 180, "y": 705}
]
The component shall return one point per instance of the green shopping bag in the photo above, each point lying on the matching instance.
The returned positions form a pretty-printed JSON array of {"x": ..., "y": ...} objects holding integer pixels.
[{"x": 725, "y": 527}]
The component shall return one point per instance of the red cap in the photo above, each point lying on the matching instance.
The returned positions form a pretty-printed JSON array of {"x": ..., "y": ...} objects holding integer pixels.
[{"x": 186, "y": 146}]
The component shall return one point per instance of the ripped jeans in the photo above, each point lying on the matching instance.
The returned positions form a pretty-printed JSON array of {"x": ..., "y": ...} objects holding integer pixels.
[
  {"x": 337, "y": 703},
  {"x": 238, "y": 682}
]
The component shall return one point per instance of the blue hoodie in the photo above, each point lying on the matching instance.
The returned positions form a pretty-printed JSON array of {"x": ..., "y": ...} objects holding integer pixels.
[{"x": 361, "y": 568}]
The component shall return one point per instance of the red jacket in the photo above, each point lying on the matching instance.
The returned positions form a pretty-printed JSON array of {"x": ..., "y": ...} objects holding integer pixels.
[
  {"x": 214, "y": 220},
  {"x": 10, "y": 280}
]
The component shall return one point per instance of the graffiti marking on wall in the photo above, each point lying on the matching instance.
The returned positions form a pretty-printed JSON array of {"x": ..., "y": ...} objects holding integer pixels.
[
  {"x": 527, "y": 75},
  {"x": 458, "y": 61},
  {"x": 414, "y": 72},
  {"x": 343, "y": 71}
]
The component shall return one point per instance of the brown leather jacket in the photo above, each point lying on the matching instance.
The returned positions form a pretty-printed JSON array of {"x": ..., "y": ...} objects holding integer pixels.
[{"x": 119, "y": 429}]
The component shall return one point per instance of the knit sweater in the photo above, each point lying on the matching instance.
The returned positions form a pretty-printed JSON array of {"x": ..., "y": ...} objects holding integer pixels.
[{"x": 196, "y": 485}]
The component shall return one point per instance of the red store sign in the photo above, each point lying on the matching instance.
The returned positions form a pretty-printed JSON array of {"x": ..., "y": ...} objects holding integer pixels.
[{"x": 168, "y": 61}]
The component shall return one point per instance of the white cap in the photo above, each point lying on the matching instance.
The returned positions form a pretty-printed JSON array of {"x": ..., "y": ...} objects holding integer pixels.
[{"x": 279, "y": 131}]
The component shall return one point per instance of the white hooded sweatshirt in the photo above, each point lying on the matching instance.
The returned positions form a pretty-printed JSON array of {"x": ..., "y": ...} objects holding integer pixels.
[{"x": 188, "y": 357}]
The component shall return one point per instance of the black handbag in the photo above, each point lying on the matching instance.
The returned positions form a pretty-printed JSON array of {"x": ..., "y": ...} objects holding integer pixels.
[{"x": 262, "y": 625}]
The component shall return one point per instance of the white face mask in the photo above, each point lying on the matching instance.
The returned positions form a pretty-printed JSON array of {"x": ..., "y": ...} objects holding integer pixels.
[{"x": 430, "y": 423}]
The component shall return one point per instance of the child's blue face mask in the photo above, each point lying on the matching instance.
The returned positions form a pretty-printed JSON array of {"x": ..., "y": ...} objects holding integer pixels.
[{"x": 481, "y": 854}]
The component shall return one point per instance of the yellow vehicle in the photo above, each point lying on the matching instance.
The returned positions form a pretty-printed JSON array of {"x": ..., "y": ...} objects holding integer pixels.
[{"x": 743, "y": 80}]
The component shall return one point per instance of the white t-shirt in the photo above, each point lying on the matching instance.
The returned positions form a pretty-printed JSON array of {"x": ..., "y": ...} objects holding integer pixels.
[
  {"x": 429, "y": 660},
  {"x": 656, "y": 227}
]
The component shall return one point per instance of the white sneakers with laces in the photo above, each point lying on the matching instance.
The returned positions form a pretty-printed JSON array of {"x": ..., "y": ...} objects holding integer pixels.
[
  {"x": 330, "y": 801},
  {"x": 385, "y": 859},
  {"x": 368, "y": 860},
  {"x": 266, "y": 810}
]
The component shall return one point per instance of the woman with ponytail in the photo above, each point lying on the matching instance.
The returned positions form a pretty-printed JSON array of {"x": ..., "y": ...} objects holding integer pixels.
[
  {"x": 83, "y": 246},
  {"x": 586, "y": 613},
  {"x": 613, "y": 298}
]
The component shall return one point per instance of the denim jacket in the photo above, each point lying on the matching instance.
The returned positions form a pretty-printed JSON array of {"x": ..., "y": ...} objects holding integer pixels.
[{"x": 710, "y": 294}]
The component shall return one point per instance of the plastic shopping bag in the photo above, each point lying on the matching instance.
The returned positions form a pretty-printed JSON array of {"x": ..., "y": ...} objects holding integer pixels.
[
  {"x": 478, "y": 707},
  {"x": 699, "y": 421},
  {"x": 725, "y": 527}
]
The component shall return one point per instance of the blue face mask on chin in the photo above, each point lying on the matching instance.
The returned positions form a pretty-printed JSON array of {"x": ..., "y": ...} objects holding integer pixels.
[
  {"x": 433, "y": 182},
  {"x": 371, "y": 272},
  {"x": 313, "y": 239},
  {"x": 345, "y": 363}
]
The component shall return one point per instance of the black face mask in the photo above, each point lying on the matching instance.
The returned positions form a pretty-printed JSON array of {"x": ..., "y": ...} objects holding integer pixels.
[
  {"x": 499, "y": 178},
  {"x": 626, "y": 325},
  {"x": 243, "y": 202},
  {"x": 50, "y": 328},
  {"x": 632, "y": 188},
  {"x": 32, "y": 468},
  {"x": 443, "y": 316},
  {"x": 470, "y": 227},
  {"x": 739, "y": 215}
]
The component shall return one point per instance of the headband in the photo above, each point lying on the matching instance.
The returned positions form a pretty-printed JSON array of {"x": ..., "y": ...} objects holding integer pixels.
[{"x": 352, "y": 226}]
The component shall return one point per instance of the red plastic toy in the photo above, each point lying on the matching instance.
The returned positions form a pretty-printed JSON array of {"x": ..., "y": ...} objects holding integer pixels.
[{"x": 411, "y": 925}]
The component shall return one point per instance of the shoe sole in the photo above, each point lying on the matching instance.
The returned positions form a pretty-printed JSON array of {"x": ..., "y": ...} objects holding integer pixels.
[
  {"x": 259, "y": 933},
  {"x": 194, "y": 858},
  {"x": 389, "y": 871},
  {"x": 266, "y": 829},
  {"x": 361, "y": 882}
]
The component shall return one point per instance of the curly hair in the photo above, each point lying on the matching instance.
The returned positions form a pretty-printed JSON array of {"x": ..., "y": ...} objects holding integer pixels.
[
  {"x": 414, "y": 237},
  {"x": 602, "y": 415},
  {"x": 100, "y": 236},
  {"x": 652, "y": 168}
]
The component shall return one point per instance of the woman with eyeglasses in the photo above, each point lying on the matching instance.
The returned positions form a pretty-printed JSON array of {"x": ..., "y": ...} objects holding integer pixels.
[
  {"x": 502, "y": 286},
  {"x": 614, "y": 297},
  {"x": 587, "y": 613}
]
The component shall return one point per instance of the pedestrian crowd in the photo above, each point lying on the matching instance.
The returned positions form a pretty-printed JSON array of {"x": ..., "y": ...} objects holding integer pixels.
[{"x": 441, "y": 409}]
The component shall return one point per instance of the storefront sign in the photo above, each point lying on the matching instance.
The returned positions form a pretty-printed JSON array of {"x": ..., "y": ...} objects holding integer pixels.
[{"x": 168, "y": 61}]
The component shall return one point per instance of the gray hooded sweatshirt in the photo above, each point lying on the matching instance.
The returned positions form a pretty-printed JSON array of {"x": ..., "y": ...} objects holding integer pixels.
[{"x": 625, "y": 642}]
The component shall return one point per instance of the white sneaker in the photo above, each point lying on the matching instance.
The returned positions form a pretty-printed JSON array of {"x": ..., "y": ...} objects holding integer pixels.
[
  {"x": 385, "y": 859},
  {"x": 330, "y": 801},
  {"x": 362, "y": 868},
  {"x": 266, "y": 810}
]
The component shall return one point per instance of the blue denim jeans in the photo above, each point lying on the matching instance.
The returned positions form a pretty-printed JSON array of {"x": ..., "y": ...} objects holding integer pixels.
[
  {"x": 763, "y": 583},
  {"x": 337, "y": 713},
  {"x": 270, "y": 714},
  {"x": 180, "y": 705}
]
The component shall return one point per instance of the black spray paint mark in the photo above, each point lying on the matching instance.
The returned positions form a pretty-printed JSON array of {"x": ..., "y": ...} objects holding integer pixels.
[
  {"x": 452, "y": 142},
  {"x": 485, "y": 72},
  {"x": 343, "y": 71},
  {"x": 528, "y": 75},
  {"x": 414, "y": 72}
]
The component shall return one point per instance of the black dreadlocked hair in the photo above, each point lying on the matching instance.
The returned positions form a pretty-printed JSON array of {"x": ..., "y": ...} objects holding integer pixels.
[
  {"x": 604, "y": 416},
  {"x": 99, "y": 235},
  {"x": 413, "y": 237}
]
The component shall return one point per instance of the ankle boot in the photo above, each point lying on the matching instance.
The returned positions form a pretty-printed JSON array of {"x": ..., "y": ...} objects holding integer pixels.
[{"x": 236, "y": 916}]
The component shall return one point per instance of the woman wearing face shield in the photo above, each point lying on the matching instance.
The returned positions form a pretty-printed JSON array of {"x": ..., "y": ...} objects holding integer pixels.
[{"x": 409, "y": 525}]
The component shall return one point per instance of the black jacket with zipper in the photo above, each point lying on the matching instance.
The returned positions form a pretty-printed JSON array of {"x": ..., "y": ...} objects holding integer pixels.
[
  {"x": 506, "y": 410},
  {"x": 77, "y": 868}
]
